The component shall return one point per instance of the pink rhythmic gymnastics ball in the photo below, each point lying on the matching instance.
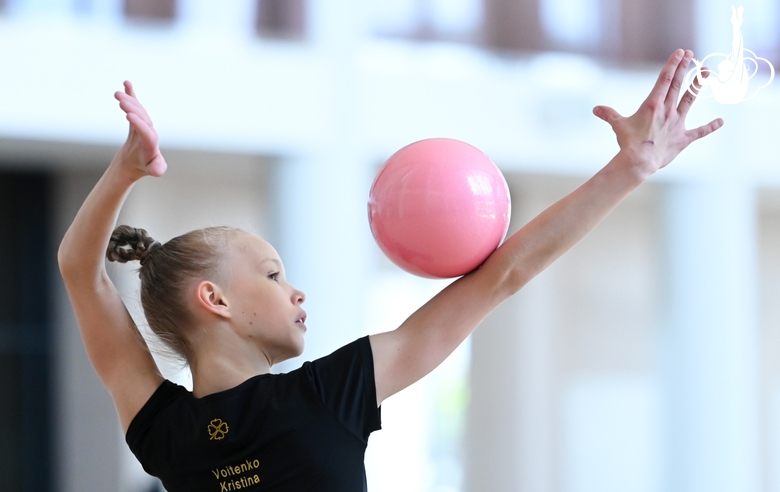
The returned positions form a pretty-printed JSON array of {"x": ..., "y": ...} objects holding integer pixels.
[{"x": 439, "y": 207}]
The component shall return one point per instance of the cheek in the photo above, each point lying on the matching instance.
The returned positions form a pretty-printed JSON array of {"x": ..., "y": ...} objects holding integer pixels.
[{"x": 264, "y": 317}]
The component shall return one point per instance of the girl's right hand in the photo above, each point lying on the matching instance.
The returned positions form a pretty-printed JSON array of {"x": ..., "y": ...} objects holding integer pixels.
[{"x": 140, "y": 154}]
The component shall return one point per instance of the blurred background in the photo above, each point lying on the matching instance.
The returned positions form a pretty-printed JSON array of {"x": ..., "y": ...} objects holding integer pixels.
[{"x": 645, "y": 359}]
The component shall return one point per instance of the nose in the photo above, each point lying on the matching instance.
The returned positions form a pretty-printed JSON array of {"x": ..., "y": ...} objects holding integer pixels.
[{"x": 298, "y": 296}]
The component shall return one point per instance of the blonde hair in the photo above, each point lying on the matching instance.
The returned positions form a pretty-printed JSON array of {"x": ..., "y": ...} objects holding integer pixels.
[{"x": 166, "y": 271}]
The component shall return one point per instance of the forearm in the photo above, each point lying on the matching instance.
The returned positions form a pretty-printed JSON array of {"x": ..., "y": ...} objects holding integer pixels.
[
  {"x": 82, "y": 251},
  {"x": 540, "y": 242}
]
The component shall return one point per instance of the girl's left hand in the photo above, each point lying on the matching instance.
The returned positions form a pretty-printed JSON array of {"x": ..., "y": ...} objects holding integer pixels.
[
  {"x": 141, "y": 152},
  {"x": 656, "y": 134}
]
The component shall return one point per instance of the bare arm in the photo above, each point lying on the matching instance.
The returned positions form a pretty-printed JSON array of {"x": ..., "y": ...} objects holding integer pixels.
[
  {"x": 649, "y": 140},
  {"x": 114, "y": 345}
]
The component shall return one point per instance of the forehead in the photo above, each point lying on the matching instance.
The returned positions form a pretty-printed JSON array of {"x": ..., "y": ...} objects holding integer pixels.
[{"x": 256, "y": 248}]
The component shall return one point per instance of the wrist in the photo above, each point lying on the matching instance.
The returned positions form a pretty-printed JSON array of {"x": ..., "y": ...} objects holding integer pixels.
[
  {"x": 122, "y": 171},
  {"x": 637, "y": 163}
]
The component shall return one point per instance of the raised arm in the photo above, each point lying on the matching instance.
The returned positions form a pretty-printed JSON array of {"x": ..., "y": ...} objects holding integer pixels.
[
  {"x": 649, "y": 140},
  {"x": 114, "y": 345}
]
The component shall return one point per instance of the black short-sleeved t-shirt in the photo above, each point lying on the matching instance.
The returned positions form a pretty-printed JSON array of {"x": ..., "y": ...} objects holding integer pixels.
[{"x": 302, "y": 431}]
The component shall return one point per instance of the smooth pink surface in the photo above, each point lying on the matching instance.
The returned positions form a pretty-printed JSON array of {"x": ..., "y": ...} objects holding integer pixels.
[{"x": 438, "y": 208}]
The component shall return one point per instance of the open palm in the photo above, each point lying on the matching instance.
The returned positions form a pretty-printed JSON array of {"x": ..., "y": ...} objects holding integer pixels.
[
  {"x": 141, "y": 148},
  {"x": 656, "y": 133}
]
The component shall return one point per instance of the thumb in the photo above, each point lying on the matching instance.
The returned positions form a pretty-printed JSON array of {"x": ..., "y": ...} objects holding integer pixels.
[
  {"x": 606, "y": 113},
  {"x": 157, "y": 167}
]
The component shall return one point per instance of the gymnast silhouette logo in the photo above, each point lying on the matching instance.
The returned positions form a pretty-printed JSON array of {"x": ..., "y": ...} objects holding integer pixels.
[
  {"x": 730, "y": 84},
  {"x": 217, "y": 429}
]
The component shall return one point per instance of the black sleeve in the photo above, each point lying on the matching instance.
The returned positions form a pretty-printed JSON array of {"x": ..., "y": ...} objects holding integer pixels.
[
  {"x": 138, "y": 431},
  {"x": 344, "y": 382}
]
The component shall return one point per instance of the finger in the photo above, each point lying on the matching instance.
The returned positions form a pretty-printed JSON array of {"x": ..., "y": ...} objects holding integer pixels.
[
  {"x": 677, "y": 80},
  {"x": 149, "y": 145},
  {"x": 138, "y": 110},
  {"x": 129, "y": 88},
  {"x": 704, "y": 130},
  {"x": 606, "y": 113},
  {"x": 130, "y": 94},
  {"x": 691, "y": 93},
  {"x": 158, "y": 166},
  {"x": 148, "y": 136},
  {"x": 661, "y": 87},
  {"x": 130, "y": 104},
  {"x": 126, "y": 100}
]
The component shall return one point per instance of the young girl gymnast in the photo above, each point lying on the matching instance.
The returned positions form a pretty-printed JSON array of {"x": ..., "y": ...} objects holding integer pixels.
[{"x": 219, "y": 297}]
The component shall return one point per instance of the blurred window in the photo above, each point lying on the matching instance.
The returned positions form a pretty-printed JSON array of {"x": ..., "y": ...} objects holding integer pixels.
[
  {"x": 513, "y": 25},
  {"x": 572, "y": 24},
  {"x": 761, "y": 16},
  {"x": 652, "y": 29},
  {"x": 760, "y": 28},
  {"x": 81, "y": 7},
  {"x": 627, "y": 30},
  {"x": 285, "y": 19},
  {"x": 452, "y": 20},
  {"x": 396, "y": 17},
  {"x": 150, "y": 10},
  {"x": 25, "y": 345}
]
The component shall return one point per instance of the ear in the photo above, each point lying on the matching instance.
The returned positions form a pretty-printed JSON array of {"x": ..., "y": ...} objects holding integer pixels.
[{"x": 211, "y": 297}]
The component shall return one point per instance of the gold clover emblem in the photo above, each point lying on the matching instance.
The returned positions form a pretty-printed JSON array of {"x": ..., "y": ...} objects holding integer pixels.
[{"x": 217, "y": 429}]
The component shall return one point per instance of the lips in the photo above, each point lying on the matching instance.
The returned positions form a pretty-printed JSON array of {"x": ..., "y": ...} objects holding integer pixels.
[{"x": 302, "y": 318}]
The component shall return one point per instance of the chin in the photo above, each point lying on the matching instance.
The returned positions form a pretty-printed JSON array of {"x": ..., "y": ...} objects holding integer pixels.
[
  {"x": 299, "y": 349},
  {"x": 293, "y": 351}
]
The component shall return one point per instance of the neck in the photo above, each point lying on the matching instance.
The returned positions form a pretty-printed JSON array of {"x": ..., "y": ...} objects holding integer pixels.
[{"x": 224, "y": 363}]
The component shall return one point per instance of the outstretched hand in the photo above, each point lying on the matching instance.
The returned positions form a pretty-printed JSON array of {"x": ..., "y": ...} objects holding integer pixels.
[
  {"x": 140, "y": 152},
  {"x": 656, "y": 133}
]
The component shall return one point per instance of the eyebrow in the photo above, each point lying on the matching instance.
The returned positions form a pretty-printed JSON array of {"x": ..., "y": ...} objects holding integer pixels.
[{"x": 278, "y": 263}]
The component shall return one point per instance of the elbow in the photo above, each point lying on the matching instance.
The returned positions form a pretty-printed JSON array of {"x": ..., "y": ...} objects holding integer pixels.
[
  {"x": 77, "y": 268},
  {"x": 68, "y": 271},
  {"x": 67, "y": 260},
  {"x": 514, "y": 280},
  {"x": 504, "y": 282},
  {"x": 505, "y": 277},
  {"x": 519, "y": 273},
  {"x": 509, "y": 272},
  {"x": 63, "y": 259}
]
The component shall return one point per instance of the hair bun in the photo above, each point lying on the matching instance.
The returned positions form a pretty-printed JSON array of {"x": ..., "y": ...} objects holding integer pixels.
[{"x": 130, "y": 244}]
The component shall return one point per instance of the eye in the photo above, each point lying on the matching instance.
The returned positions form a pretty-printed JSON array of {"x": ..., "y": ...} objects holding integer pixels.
[{"x": 274, "y": 276}]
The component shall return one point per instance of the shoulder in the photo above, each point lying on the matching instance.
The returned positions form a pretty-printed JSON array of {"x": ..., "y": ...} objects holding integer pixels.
[
  {"x": 165, "y": 395},
  {"x": 344, "y": 383},
  {"x": 353, "y": 357},
  {"x": 359, "y": 349}
]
